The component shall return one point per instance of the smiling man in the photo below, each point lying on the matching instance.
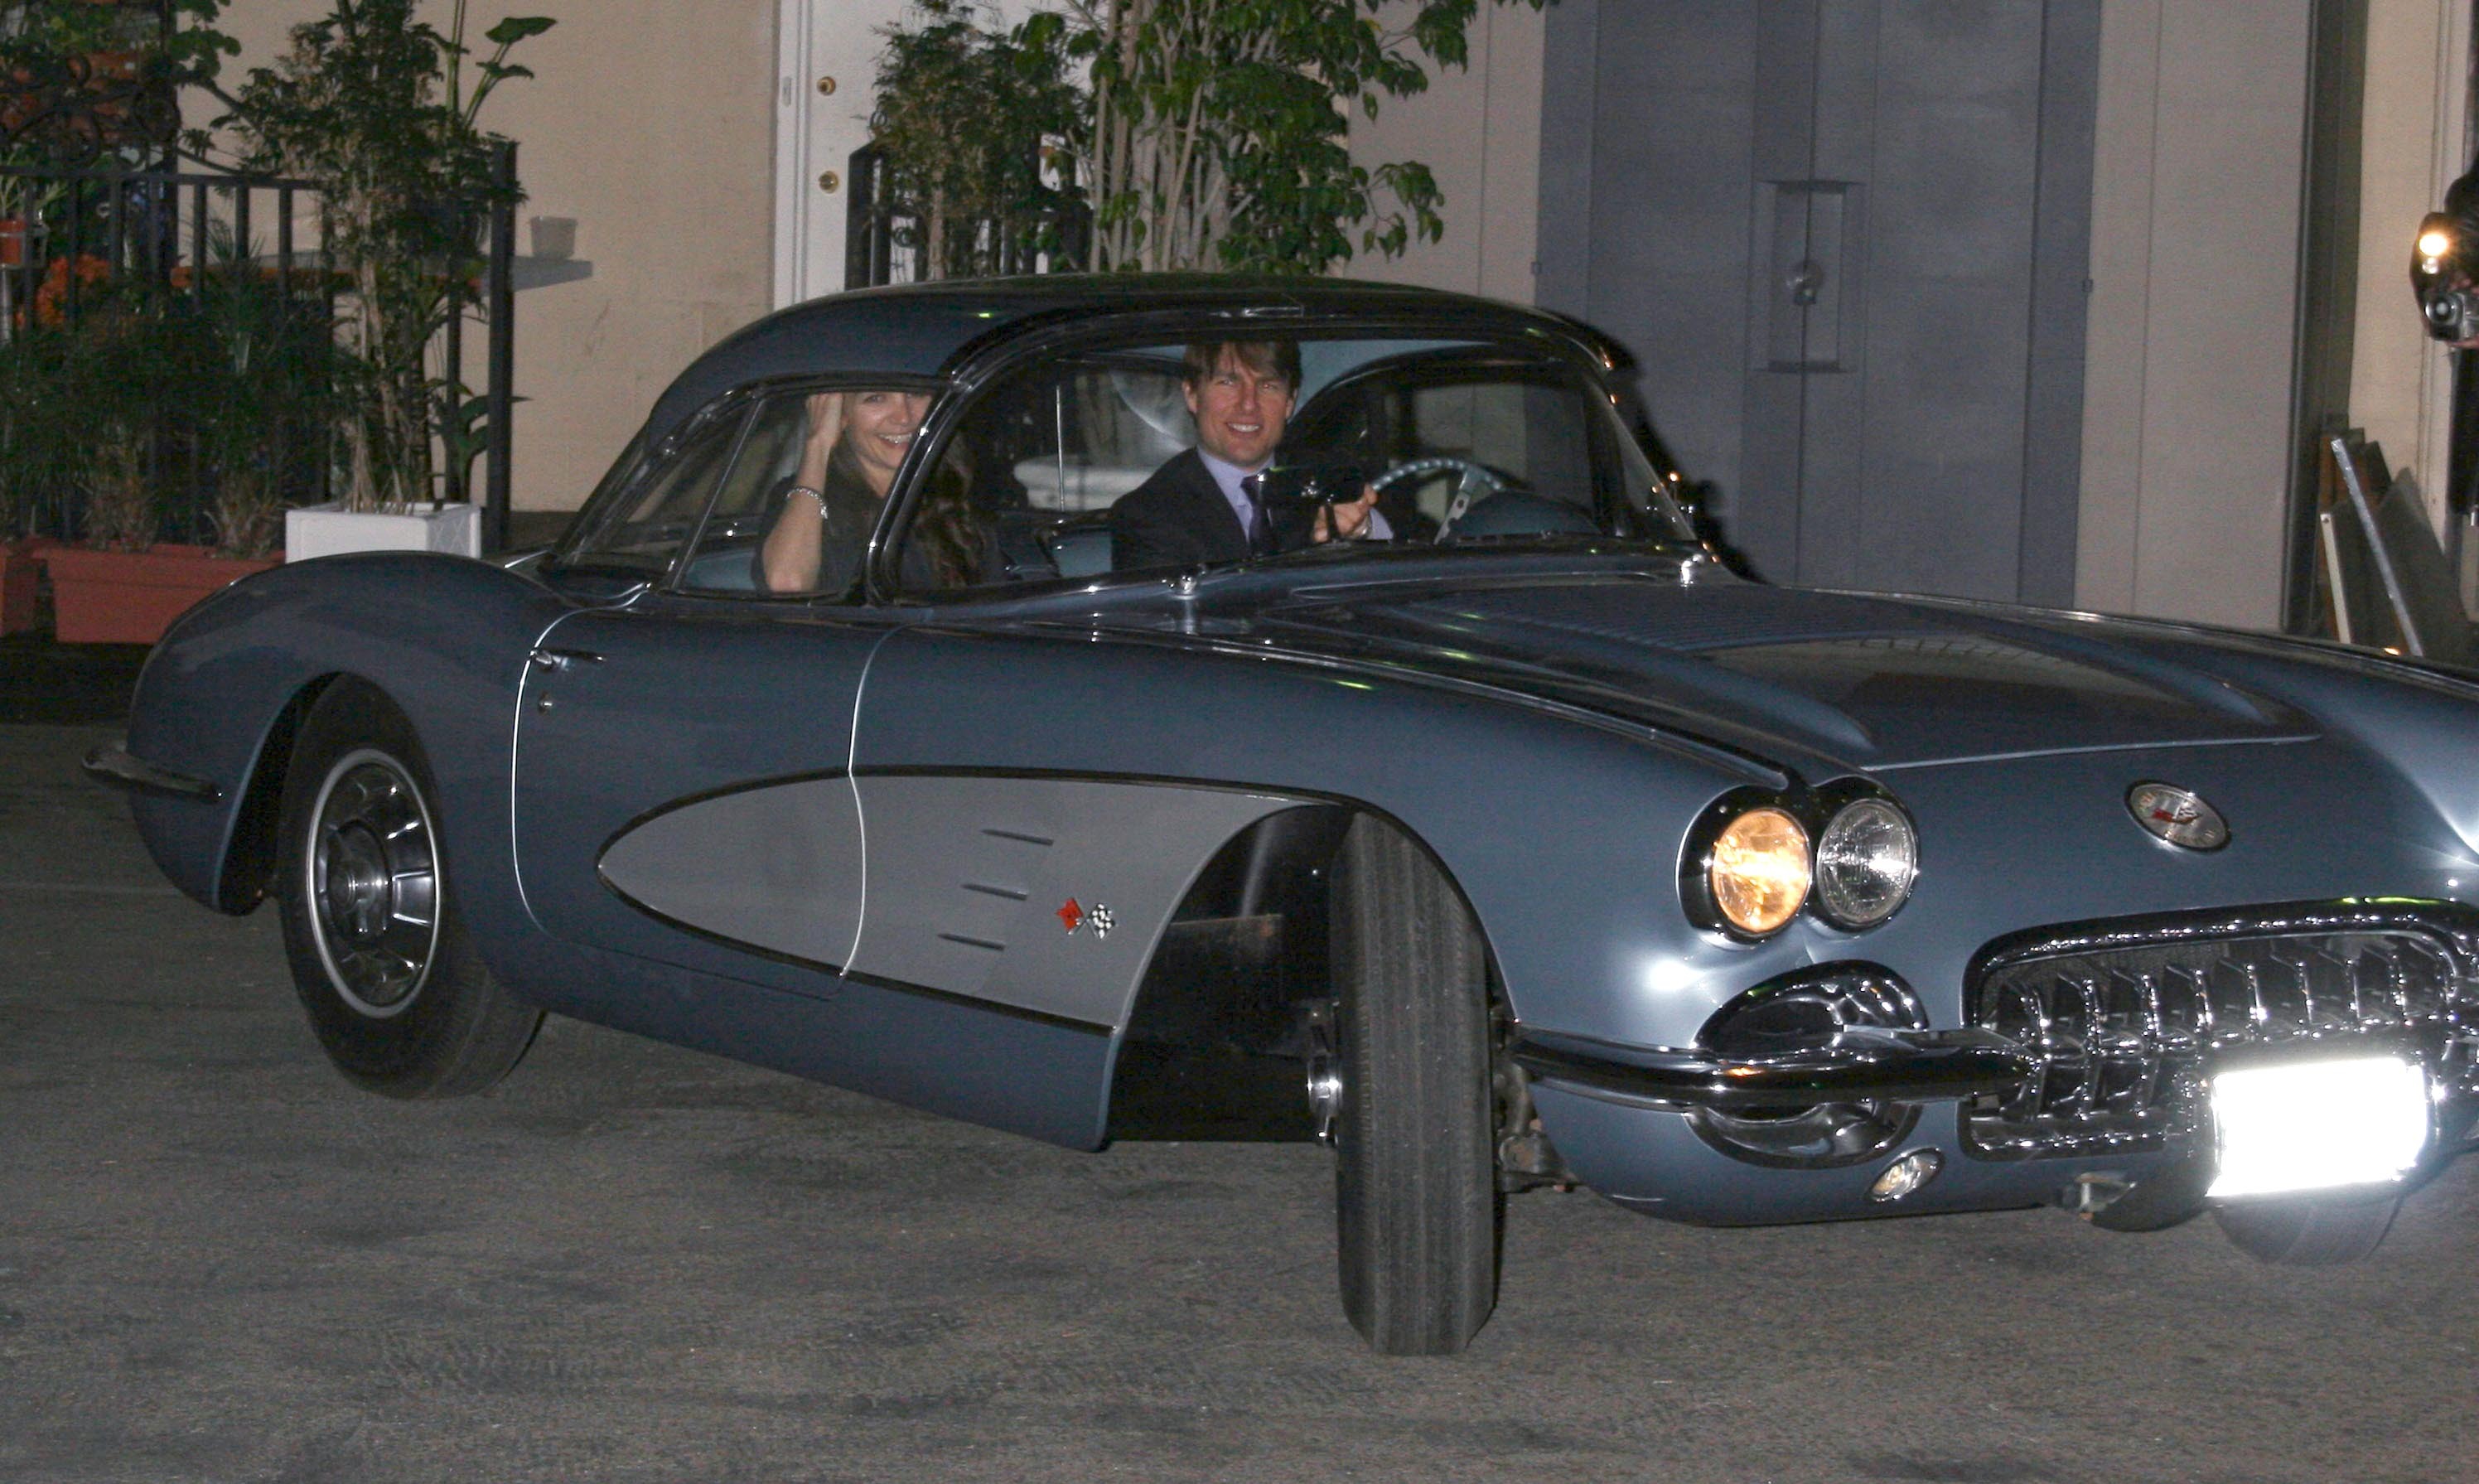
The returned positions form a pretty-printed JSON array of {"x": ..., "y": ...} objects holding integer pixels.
[{"x": 1202, "y": 506}]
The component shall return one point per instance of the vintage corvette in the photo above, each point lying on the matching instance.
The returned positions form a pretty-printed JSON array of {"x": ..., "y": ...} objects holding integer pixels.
[{"x": 1526, "y": 846}]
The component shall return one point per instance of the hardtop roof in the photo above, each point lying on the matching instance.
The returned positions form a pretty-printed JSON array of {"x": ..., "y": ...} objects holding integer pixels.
[{"x": 922, "y": 330}]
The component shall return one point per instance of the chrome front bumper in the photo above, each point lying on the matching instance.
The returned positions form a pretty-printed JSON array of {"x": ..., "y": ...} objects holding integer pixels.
[{"x": 1854, "y": 1065}]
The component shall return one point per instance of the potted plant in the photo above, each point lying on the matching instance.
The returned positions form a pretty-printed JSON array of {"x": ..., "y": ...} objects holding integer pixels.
[
  {"x": 229, "y": 381},
  {"x": 374, "y": 106},
  {"x": 259, "y": 363}
]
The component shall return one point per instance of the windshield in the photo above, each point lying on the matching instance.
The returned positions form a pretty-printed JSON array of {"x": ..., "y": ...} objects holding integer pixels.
[{"x": 1160, "y": 457}]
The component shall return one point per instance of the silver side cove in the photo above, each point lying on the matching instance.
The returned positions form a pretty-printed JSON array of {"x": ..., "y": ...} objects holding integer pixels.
[
  {"x": 776, "y": 868},
  {"x": 1041, "y": 893}
]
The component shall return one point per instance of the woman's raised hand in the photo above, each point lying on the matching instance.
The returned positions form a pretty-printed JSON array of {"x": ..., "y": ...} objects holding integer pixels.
[{"x": 825, "y": 410}]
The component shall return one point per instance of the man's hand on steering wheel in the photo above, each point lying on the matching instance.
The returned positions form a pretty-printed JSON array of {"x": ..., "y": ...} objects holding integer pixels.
[
  {"x": 1345, "y": 521},
  {"x": 1475, "y": 482}
]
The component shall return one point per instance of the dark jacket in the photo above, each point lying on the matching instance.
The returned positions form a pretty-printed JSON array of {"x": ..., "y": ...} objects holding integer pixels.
[
  {"x": 1176, "y": 518},
  {"x": 851, "y": 511}
]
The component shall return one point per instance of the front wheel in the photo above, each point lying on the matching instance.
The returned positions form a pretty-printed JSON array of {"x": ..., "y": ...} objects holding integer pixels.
[
  {"x": 396, "y": 991},
  {"x": 1416, "y": 1203}
]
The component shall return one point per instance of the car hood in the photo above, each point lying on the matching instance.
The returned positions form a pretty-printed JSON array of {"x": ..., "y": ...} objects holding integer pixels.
[{"x": 1860, "y": 681}]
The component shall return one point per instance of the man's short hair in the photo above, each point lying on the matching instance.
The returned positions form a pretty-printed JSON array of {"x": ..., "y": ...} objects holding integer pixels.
[{"x": 1265, "y": 357}]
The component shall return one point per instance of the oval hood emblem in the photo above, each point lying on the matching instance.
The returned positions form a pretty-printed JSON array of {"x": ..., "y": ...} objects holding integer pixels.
[{"x": 2177, "y": 816}]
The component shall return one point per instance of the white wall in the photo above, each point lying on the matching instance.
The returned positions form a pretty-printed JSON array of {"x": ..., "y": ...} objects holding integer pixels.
[
  {"x": 2195, "y": 216},
  {"x": 650, "y": 126},
  {"x": 2400, "y": 380},
  {"x": 1479, "y": 133}
]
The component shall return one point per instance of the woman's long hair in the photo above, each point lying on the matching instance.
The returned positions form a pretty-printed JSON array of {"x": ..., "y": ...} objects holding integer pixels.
[{"x": 945, "y": 526}]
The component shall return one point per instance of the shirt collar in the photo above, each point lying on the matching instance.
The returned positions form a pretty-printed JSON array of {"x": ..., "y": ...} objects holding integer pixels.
[{"x": 1226, "y": 478}]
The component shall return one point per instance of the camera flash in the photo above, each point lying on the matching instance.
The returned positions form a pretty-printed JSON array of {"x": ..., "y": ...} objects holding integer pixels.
[{"x": 2434, "y": 245}]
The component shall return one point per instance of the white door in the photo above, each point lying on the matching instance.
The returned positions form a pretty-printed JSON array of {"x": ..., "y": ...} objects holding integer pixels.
[
  {"x": 826, "y": 73},
  {"x": 820, "y": 45}
]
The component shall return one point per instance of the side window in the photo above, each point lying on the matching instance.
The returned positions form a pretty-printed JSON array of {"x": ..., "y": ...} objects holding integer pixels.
[
  {"x": 751, "y": 495},
  {"x": 1024, "y": 488},
  {"x": 654, "y": 520}
]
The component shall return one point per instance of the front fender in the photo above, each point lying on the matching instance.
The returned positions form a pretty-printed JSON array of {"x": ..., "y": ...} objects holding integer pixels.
[
  {"x": 1564, "y": 834},
  {"x": 444, "y": 637}
]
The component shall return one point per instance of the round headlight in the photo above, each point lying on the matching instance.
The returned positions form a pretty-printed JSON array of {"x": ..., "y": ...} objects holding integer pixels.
[
  {"x": 1865, "y": 864},
  {"x": 1758, "y": 871}
]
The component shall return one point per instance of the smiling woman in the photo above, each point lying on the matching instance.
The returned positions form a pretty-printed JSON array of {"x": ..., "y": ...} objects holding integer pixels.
[
  {"x": 782, "y": 494},
  {"x": 856, "y": 442}
]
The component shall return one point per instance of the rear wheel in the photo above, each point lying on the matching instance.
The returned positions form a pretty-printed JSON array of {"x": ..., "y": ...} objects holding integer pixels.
[
  {"x": 396, "y": 991},
  {"x": 1416, "y": 1202},
  {"x": 2308, "y": 1233}
]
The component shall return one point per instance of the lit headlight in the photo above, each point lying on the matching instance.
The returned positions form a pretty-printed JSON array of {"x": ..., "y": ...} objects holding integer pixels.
[
  {"x": 1757, "y": 871},
  {"x": 1865, "y": 864}
]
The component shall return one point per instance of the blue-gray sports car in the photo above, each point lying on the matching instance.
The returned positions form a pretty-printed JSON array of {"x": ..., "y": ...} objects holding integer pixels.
[{"x": 1202, "y": 708}]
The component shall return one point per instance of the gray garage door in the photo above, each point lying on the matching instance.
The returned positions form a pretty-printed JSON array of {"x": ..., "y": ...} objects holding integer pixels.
[{"x": 1846, "y": 241}]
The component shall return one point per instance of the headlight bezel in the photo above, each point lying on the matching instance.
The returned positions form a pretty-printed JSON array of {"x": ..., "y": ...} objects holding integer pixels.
[
  {"x": 1871, "y": 801},
  {"x": 1813, "y": 810},
  {"x": 1697, "y": 860}
]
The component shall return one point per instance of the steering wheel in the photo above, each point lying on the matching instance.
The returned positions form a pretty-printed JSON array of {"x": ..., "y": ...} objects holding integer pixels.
[{"x": 1473, "y": 483}]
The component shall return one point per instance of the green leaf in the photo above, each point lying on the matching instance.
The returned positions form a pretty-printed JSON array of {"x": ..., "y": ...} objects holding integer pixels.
[{"x": 515, "y": 28}]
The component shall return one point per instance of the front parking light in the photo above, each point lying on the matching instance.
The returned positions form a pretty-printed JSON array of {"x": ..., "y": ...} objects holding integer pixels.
[{"x": 2319, "y": 1125}]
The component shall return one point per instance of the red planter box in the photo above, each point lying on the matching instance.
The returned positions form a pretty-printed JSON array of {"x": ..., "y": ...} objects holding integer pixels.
[
  {"x": 21, "y": 582},
  {"x": 132, "y": 596}
]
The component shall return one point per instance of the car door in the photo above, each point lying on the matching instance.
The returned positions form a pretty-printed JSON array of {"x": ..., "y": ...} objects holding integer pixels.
[
  {"x": 1027, "y": 856},
  {"x": 680, "y": 789}
]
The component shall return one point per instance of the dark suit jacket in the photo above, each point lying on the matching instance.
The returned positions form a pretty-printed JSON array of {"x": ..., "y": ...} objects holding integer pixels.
[{"x": 1175, "y": 517}]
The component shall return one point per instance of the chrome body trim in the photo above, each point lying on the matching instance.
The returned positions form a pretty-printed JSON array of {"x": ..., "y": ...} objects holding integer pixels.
[
  {"x": 114, "y": 767},
  {"x": 1856, "y": 1064}
]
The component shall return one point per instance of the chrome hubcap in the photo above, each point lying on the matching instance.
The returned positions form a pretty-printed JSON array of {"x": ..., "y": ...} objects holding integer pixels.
[
  {"x": 373, "y": 878},
  {"x": 1324, "y": 1072}
]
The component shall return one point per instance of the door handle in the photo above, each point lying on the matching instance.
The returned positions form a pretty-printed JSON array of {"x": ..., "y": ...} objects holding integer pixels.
[{"x": 562, "y": 660}]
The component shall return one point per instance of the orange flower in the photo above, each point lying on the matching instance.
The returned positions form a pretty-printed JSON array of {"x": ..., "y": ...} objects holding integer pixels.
[{"x": 51, "y": 300}]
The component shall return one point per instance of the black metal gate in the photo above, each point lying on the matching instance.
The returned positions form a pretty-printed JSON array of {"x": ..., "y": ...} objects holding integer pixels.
[{"x": 84, "y": 250}]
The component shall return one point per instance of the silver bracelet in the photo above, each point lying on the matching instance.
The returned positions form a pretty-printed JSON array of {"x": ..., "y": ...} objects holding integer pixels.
[{"x": 814, "y": 492}]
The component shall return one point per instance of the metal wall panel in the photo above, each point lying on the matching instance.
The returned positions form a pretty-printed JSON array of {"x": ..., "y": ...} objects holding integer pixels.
[{"x": 1846, "y": 239}]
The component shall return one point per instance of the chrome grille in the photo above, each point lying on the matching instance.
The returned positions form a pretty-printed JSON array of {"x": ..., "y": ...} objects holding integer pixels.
[{"x": 2120, "y": 1023}]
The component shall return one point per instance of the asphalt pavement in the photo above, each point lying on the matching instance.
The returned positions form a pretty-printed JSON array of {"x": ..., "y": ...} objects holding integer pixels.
[{"x": 632, "y": 1262}]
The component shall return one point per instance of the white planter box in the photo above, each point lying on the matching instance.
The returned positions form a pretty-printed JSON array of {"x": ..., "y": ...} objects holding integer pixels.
[{"x": 329, "y": 531}]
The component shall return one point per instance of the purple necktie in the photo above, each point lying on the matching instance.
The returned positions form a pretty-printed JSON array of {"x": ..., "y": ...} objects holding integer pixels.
[{"x": 1260, "y": 530}]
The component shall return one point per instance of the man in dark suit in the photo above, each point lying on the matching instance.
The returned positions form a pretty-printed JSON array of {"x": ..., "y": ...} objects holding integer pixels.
[{"x": 1203, "y": 505}]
